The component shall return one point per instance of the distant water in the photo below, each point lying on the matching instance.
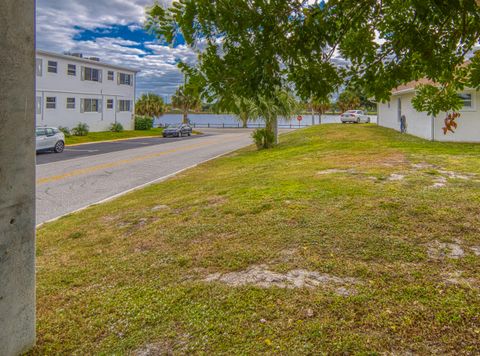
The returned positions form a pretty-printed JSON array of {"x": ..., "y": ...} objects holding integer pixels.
[{"x": 202, "y": 120}]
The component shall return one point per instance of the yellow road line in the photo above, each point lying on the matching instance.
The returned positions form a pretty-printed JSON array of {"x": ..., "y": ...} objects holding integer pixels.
[
  {"x": 106, "y": 141},
  {"x": 83, "y": 171}
]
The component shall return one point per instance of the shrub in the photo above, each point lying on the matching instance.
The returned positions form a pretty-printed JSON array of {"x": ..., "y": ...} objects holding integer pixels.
[
  {"x": 65, "y": 130},
  {"x": 143, "y": 122},
  {"x": 263, "y": 138},
  {"x": 116, "y": 127},
  {"x": 81, "y": 129}
]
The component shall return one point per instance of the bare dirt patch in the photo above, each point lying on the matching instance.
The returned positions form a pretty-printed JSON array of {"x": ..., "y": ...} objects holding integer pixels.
[
  {"x": 475, "y": 250},
  {"x": 261, "y": 276},
  {"x": 456, "y": 278},
  {"x": 439, "y": 182},
  {"x": 439, "y": 250},
  {"x": 335, "y": 171},
  {"x": 396, "y": 177},
  {"x": 216, "y": 200},
  {"x": 164, "y": 348},
  {"x": 160, "y": 207}
]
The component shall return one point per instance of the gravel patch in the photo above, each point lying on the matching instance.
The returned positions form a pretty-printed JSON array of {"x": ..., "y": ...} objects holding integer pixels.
[{"x": 261, "y": 276}]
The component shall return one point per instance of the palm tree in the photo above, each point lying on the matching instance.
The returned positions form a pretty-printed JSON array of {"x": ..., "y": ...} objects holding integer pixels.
[
  {"x": 348, "y": 100},
  {"x": 242, "y": 108},
  {"x": 320, "y": 106},
  {"x": 268, "y": 109},
  {"x": 151, "y": 105},
  {"x": 186, "y": 99}
]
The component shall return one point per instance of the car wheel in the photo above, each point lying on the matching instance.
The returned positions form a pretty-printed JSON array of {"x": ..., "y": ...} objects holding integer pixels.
[
  {"x": 189, "y": 134},
  {"x": 369, "y": 120},
  {"x": 59, "y": 147}
]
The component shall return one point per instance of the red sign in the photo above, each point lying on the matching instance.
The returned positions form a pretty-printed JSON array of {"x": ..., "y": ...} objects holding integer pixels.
[{"x": 299, "y": 118}]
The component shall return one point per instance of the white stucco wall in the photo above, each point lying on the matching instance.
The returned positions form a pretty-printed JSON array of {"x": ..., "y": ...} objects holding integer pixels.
[
  {"x": 62, "y": 86},
  {"x": 420, "y": 124}
]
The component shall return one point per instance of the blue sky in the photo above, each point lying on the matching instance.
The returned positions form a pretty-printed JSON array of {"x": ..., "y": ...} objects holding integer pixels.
[{"x": 112, "y": 30}]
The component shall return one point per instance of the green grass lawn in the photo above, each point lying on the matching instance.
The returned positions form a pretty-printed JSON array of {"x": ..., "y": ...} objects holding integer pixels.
[
  {"x": 108, "y": 136},
  {"x": 393, "y": 262}
]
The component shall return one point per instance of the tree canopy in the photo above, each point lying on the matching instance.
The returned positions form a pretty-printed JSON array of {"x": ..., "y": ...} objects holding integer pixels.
[{"x": 251, "y": 48}]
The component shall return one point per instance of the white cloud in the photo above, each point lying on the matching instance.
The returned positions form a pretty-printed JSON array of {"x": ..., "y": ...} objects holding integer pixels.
[{"x": 59, "y": 22}]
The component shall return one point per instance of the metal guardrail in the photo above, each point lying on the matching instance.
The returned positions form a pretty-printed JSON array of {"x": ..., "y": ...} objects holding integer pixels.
[{"x": 237, "y": 126}]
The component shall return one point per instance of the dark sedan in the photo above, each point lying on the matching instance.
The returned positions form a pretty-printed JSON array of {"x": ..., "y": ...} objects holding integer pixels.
[{"x": 177, "y": 130}]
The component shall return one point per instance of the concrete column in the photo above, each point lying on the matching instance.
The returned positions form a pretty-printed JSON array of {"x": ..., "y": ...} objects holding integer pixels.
[{"x": 17, "y": 176}]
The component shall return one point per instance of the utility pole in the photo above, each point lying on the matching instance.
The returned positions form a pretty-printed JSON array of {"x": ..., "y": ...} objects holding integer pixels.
[{"x": 17, "y": 177}]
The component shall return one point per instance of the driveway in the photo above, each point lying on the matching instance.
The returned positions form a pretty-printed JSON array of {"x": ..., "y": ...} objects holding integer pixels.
[{"x": 88, "y": 174}]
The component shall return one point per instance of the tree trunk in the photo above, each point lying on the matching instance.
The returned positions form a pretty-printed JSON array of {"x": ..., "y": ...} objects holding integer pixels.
[
  {"x": 271, "y": 125},
  {"x": 244, "y": 119},
  {"x": 313, "y": 117},
  {"x": 185, "y": 117},
  {"x": 275, "y": 130}
]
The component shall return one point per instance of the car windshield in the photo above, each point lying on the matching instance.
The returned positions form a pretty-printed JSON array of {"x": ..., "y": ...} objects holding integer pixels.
[{"x": 174, "y": 126}]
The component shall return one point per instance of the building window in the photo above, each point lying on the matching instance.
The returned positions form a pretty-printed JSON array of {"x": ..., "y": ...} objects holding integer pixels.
[
  {"x": 109, "y": 103},
  {"x": 111, "y": 75},
  {"x": 39, "y": 65},
  {"x": 70, "y": 103},
  {"x": 92, "y": 74},
  {"x": 91, "y": 105},
  {"x": 72, "y": 69},
  {"x": 467, "y": 100},
  {"x": 52, "y": 67},
  {"x": 124, "y": 105},
  {"x": 124, "y": 79},
  {"x": 51, "y": 102}
]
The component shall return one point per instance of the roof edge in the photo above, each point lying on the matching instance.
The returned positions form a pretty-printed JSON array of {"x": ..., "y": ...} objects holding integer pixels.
[{"x": 84, "y": 60}]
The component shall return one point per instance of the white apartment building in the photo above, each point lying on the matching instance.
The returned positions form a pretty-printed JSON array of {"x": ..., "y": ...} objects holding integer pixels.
[{"x": 71, "y": 89}]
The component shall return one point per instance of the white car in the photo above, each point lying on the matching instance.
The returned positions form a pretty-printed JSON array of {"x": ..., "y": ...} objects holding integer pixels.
[
  {"x": 49, "y": 138},
  {"x": 355, "y": 116}
]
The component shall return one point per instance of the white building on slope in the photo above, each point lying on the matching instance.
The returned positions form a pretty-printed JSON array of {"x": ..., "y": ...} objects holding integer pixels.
[{"x": 71, "y": 89}]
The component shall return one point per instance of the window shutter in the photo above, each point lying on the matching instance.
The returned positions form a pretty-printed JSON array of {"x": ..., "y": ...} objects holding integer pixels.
[
  {"x": 83, "y": 73},
  {"x": 100, "y": 74},
  {"x": 82, "y": 105},
  {"x": 100, "y": 105},
  {"x": 118, "y": 78},
  {"x": 131, "y": 80}
]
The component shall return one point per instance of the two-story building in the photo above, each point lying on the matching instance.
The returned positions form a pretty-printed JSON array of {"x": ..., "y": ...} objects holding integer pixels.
[{"x": 71, "y": 89}]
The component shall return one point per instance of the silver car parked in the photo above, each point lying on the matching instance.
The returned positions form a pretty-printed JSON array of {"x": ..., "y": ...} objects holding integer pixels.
[
  {"x": 49, "y": 139},
  {"x": 355, "y": 117}
]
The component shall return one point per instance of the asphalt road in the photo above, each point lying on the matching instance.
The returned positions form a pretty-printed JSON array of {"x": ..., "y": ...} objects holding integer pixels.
[{"x": 88, "y": 174}]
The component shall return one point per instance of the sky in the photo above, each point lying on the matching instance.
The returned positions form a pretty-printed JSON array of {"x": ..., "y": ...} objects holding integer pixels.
[{"x": 113, "y": 31}]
